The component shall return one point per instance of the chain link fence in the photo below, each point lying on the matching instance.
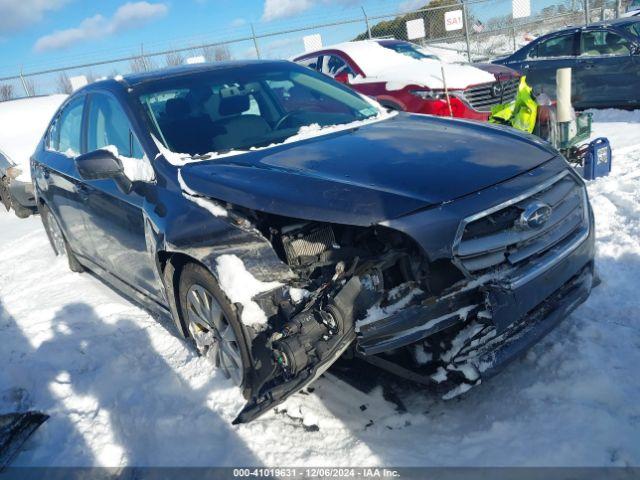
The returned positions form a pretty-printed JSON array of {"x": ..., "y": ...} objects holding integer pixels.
[{"x": 473, "y": 30}]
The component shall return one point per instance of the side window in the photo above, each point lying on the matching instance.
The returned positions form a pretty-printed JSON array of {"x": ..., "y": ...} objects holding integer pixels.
[
  {"x": 108, "y": 125},
  {"x": 311, "y": 63},
  {"x": 562, "y": 46},
  {"x": 333, "y": 65},
  {"x": 65, "y": 133},
  {"x": 601, "y": 42}
]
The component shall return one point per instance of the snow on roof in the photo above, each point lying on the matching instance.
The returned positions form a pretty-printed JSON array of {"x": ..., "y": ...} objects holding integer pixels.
[
  {"x": 381, "y": 63},
  {"x": 23, "y": 124}
]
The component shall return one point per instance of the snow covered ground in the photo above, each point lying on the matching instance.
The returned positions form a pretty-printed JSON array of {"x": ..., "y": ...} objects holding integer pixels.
[{"x": 122, "y": 390}]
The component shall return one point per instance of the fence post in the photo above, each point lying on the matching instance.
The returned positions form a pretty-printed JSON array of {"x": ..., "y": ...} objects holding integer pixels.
[
  {"x": 587, "y": 16},
  {"x": 24, "y": 84},
  {"x": 618, "y": 8},
  {"x": 142, "y": 59},
  {"x": 255, "y": 41},
  {"x": 466, "y": 30},
  {"x": 366, "y": 20}
]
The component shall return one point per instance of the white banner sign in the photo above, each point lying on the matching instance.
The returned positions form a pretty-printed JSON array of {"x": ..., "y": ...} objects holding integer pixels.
[
  {"x": 521, "y": 8},
  {"x": 312, "y": 42},
  {"x": 453, "y": 20},
  {"x": 415, "y": 29}
]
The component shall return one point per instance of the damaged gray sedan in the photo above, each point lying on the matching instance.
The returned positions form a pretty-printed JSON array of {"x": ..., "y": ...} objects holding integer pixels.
[{"x": 283, "y": 221}]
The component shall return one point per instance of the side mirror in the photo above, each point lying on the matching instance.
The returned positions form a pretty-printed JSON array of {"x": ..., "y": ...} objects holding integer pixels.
[
  {"x": 101, "y": 165},
  {"x": 342, "y": 77}
]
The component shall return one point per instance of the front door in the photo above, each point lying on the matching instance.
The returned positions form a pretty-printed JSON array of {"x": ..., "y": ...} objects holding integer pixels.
[
  {"x": 115, "y": 219},
  {"x": 63, "y": 189}
]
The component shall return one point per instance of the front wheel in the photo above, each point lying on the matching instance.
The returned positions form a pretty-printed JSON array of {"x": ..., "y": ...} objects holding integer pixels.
[
  {"x": 212, "y": 323},
  {"x": 57, "y": 240}
]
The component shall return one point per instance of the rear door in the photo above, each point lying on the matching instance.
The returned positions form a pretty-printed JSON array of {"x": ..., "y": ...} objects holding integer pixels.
[
  {"x": 59, "y": 180},
  {"x": 115, "y": 219},
  {"x": 546, "y": 57},
  {"x": 606, "y": 70}
]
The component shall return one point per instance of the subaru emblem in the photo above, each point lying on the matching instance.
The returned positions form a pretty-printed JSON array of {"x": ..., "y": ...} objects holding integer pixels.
[{"x": 535, "y": 215}]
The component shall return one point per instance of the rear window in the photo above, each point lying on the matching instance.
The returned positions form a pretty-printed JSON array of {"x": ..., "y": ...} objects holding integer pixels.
[{"x": 603, "y": 42}]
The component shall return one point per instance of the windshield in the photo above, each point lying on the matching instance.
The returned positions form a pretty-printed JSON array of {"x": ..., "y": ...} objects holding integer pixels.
[
  {"x": 410, "y": 50},
  {"x": 634, "y": 29},
  {"x": 246, "y": 106}
]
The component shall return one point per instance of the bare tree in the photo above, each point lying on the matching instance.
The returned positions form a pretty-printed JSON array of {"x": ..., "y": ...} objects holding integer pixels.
[
  {"x": 6, "y": 92},
  {"x": 63, "y": 84},
  {"x": 217, "y": 53},
  {"x": 174, "y": 59},
  {"x": 30, "y": 85},
  {"x": 90, "y": 76},
  {"x": 138, "y": 64}
]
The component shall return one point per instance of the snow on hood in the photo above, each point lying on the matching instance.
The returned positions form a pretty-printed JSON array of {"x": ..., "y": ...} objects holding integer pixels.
[
  {"x": 383, "y": 64},
  {"x": 304, "y": 133},
  {"x": 22, "y": 124}
]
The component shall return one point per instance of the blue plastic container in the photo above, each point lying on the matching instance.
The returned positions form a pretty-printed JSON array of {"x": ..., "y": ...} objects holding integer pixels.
[{"x": 593, "y": 159}]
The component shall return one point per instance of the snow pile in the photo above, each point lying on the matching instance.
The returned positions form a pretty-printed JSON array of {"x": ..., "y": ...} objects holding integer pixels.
[
  {"x": 240, "y": 287},
  {"x": 22, "y": 124},
  {"x": 381, "y": 64}
]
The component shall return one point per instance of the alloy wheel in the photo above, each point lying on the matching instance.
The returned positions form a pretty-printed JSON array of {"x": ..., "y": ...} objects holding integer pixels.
[{"x": 212, "y": 333}]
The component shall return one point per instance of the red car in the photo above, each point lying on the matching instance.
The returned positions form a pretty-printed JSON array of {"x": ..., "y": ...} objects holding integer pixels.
[{"x": 405, "y": 76}]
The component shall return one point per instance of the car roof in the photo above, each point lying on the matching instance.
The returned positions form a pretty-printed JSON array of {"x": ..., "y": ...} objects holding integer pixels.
[
  {"x": 135, "y": 79},
  {"x": 620, "y": 22},
  {"x": 350, "y": 48}
]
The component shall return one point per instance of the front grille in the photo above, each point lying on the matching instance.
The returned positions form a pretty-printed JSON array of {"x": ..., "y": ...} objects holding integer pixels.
[
  {"x": 483, "y": 97},
  {"x": 497, "y": 239}
]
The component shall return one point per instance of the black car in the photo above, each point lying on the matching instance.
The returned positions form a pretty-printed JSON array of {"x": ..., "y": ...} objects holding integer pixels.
[
  {"x": 605, "y": 58},
  {"x": 283, "y": 221}
]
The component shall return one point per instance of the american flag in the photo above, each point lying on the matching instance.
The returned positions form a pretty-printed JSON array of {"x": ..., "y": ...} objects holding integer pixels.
[{"x": 478, "y": 26}]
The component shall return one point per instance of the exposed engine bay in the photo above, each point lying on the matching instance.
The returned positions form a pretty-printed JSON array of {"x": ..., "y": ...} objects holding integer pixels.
[{"x": 356, "y": 290}]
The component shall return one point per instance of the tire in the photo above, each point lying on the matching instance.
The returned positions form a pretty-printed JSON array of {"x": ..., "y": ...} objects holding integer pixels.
[
  {"x": 57, "y": 240},
  {"x": 218, "y": 335},
  {"x": 20, "y": 211}
]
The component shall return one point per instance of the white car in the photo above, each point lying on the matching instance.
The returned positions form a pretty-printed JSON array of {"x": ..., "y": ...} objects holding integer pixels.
[{"x": 23, "y": 123}]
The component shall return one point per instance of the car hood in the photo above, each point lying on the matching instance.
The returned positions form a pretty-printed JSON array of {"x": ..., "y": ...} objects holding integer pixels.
[
  {"x": 427, "y": 73},
  {"x": 369, "y": 174},
  {"x": 501, "y": 72}
]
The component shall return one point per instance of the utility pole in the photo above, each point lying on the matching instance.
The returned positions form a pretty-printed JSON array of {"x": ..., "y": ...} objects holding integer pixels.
[
  {"x": 255, "y": 41},
  {"x": 587, "y": 15},
  {"x": 465, "y": 12},
  {"x": 366, "y": 20}
]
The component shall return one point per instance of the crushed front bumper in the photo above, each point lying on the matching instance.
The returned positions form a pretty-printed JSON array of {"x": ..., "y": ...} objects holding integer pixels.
[{"x": 494, "y": 322}]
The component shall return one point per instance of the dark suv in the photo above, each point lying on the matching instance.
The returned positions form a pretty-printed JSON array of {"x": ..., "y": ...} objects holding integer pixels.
[
  {"x": 283, "y": 221},
  {"x": 604, "y": 58}
]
